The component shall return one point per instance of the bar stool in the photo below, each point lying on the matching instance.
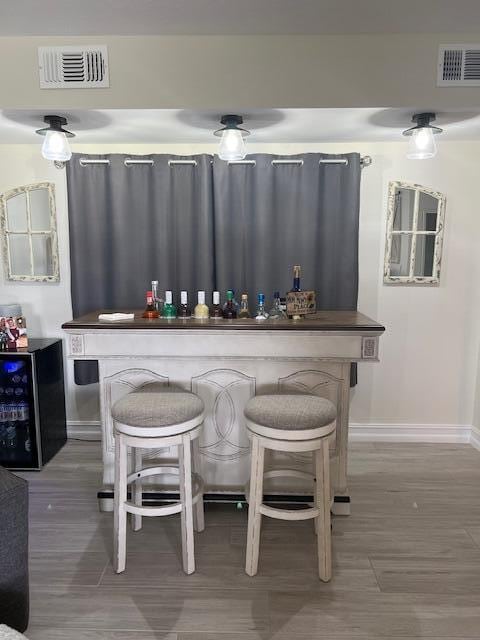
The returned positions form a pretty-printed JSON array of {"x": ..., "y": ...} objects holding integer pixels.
[
  {"x": 152, "y": 417},
  {"x": 292, "y": 423}
]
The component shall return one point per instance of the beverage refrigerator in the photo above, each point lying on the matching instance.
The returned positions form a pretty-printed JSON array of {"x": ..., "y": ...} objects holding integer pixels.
[{"x": 32, "y": 404}]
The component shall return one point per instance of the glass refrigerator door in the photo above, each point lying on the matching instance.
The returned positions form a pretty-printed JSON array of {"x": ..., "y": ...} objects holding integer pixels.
[{"x": 18, "y": 445}]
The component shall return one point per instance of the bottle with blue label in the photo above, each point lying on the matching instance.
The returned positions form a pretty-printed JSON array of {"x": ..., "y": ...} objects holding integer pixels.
[{"x": 261, "y": 312}]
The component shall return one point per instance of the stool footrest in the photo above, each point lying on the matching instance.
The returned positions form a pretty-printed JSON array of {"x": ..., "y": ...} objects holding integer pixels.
[
  {"x": 170, "y": 471},
  {"x": 289, "y": 514},
  {"x": 153, "y": 471},
  {"x": 164, "y": 510}
]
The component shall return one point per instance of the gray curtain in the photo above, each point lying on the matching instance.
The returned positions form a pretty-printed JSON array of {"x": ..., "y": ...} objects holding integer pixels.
[
  {"x": 206, "y": 227},
  {"x": 132, "y": 224},
  {"x": 270, "y": 217}
]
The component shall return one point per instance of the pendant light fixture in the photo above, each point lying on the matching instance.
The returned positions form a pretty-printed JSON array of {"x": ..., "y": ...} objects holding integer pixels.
[
  {"x": 55, "y": 146},
  {"x": 422, "y": 143},
  {"x": 232, "y": 144}
]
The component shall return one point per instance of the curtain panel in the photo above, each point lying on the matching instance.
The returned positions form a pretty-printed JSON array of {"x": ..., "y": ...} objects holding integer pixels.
[
  {"x": 269, "y": 217},
  {"x": 211, "y": 225},
  {"x": 133, "y": 223}
]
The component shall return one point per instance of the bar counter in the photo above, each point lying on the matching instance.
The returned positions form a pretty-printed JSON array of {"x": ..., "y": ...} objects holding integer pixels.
[{"x": 226, "y": 362}]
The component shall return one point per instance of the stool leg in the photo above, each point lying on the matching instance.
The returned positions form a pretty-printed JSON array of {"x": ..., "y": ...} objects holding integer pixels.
[
  {"x": 136, "y": 520},
  {"x": 185, "y": 471},
  {"x": 315, "y": 520},
  {"x": 120, "y": 497},
  {"x": 254, "y": 515},
  {"x": 198, "y": 514},
  {"x": 322, "y": 501}
]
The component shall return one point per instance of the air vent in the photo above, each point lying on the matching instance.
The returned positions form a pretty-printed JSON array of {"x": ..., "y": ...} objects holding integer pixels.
[
  {"x": 459, "y": 65},
  {"x": 73, "y": 67}
]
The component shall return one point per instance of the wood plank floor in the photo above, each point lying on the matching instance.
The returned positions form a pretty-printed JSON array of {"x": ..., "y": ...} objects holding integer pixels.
[{"x": 406, "y": 562}]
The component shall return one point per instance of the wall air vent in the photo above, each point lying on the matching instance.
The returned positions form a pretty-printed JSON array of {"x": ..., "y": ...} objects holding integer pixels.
[
  {"x": 459, "y": 65},
  {"x": 84, "y": 67}
]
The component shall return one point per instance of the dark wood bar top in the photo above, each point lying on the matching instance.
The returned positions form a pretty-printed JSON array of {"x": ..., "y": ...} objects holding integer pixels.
[{"x": 320, "y": 321}]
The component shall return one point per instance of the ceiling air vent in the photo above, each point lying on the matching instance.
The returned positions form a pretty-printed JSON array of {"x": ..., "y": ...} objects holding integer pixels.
[
  {"x": 73, "y": 67},
  {"x": 459, "y": 65}
]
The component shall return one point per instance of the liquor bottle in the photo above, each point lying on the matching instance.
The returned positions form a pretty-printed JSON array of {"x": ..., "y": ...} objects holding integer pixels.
[
  {"x": 229, "y": 311},
  {"x": 150, "y": 310},
  {"x": 184, "y": 310},
  {"x": 169, "y": 309},
  {"x": 216, "y": 311},
  {"x": 244, "y": 311},
  {"x": 157, "y": 300},
  {"x": 296, "y": 278},
  {"x": 276, "y": 312},
  {"x": 201, "y": 310},
  {"x": 261, "y": 313},
  {"x": 235, "y": 303},
  {"x": 296, "y": 287}
]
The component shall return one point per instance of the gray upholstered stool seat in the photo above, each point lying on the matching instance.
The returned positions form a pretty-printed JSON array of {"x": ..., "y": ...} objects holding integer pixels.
[
  {"x": 290, "y": 416},
  {"x": 156, "y": 408}
]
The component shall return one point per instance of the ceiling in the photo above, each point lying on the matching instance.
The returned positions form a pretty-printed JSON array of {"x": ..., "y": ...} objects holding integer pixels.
[
  {"x": 144, "y": 126},
  {"x": 196, "y": 17}
]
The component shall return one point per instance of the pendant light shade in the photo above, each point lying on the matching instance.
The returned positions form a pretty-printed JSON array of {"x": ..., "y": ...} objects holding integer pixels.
[
  {"x": 232, "y": 144},
  {"x": 55, "y": 146},
  {"x": 422, "y": 142}
]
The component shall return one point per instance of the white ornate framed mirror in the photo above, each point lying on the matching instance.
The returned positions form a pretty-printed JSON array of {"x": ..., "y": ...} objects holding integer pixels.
[
  {"x": 415, "y": 223},
  {"x": 28, "y": 226}
]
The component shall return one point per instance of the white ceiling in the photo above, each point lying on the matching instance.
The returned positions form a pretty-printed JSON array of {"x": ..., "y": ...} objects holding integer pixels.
[
  {"x": 190, "y": 17},
  {"x": 143, "y": 126}
]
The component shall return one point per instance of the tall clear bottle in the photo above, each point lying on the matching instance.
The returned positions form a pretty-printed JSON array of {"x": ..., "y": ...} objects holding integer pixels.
[
  {"x": 276, "y": 312},
  {"x": 261, "y": 313},
  {"x": 157, "y": 299}
]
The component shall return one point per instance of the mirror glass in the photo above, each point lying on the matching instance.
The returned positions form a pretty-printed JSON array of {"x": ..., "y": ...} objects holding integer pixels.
[
  {"x": 39, "y": 210},
  {"x": 404, "y": 209},
  {"x": 415, "y": 221},
  {"x": 17, "y": 213},
  {"x": 20, "y": 254},
  {"x": 427, "y": 212},
  {"x": 42, "y": 255},
  {"x": 424, "y": 255},
  {"x": 400, "y": 261}
]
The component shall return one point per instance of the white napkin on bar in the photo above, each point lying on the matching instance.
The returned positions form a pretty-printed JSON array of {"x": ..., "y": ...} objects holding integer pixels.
[{"x": 116, "y": 317}]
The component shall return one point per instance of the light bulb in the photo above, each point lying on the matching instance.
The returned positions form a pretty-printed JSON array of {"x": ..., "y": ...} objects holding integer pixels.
[
  {"x": 422, "y": 144},
  {"x": 232, "y": 145},
  {"x": 56, "y": 147}
]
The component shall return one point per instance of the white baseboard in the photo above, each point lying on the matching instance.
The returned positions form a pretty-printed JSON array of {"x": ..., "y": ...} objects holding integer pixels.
[
  {"x": 446, "y": 433},
  {"x": 475, "y": 438},
  {"x": 453, "y": 433},
  {"x": 84, "y": 430}
]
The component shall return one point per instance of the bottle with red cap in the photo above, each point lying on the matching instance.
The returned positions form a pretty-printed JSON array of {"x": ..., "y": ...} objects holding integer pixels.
[{"x": 150, "y": 310}]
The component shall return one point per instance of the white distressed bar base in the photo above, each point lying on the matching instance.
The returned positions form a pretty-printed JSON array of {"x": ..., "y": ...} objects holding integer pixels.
[{"x": 226, "y": 364}]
